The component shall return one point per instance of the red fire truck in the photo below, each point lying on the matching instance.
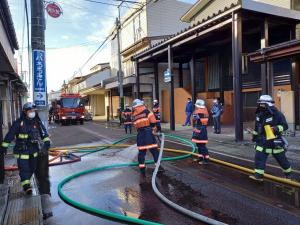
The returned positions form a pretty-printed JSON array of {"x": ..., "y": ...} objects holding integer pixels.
[{"x": 69, "y": 109}]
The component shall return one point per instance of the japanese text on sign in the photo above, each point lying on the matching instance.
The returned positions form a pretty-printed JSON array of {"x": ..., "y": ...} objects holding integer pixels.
[{"x": 39, "y": 75}]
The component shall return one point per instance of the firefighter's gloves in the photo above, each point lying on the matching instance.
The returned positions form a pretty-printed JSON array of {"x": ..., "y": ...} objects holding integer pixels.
[
  {"x": 196, "y": 117},
  {"x": 3, "y": 150},
  {"x": 47, "y": 145},
  {"x": 45, "y": 148},
  {"x": 276, "y": 130},
  {"x": 254, "y": 137}
]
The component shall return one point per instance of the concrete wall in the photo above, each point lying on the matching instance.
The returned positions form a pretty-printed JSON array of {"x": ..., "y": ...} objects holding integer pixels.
[{"x": 97, "y": 103}]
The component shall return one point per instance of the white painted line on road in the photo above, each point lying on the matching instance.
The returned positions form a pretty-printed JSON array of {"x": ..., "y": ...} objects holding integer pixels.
[{"x": 106, "y": 139}]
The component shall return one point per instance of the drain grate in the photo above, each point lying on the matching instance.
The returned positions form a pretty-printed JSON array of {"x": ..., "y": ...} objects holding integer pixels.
[{"x": 25, "y": 211}]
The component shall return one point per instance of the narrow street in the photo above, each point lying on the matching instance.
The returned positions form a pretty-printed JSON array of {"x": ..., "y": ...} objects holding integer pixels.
[
  {"x": 209, "y": 88},
  {"x": 122, "y": 190}
]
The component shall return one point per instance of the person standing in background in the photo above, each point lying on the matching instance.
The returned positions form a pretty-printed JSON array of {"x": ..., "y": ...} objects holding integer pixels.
[
  {"x": 188, "y": 112},
  {"x": 217, "y": 111}
]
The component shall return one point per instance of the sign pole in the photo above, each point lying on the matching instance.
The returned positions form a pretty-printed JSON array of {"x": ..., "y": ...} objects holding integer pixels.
[
  {"x": 39, "y": 85},
  {"x": 38, "y": 59}
]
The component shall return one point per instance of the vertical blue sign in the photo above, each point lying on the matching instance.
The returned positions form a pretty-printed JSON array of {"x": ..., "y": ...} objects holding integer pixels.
[
  {"x": 39, "y": 78},
  {"x": 167, "y": 76}
]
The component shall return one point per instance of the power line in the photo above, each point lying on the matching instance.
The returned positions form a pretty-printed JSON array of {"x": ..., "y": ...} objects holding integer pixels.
[
  {"x": 106, "y": 3},
  {"x": 131, "y": 2},
  {"x": 107, "y": 38},
  {"x": 77, "y": 45},
  {"x": 95, "y": 52},
  {"x": 83, "y": 8}
]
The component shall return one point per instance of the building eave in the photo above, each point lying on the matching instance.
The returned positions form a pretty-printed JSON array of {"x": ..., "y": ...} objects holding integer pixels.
[
  {"x": 270, "y": 9},
  {"x": 6, "y": 18},
  {"x": 195, "y": 9},
  {"x": 285, "y": 49},
  {"x": 190, "y": 31}
]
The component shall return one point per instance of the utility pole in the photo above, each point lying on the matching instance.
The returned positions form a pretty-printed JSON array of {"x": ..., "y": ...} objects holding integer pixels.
[
  {"x": 120, "y": 73},
  {"x": 40, "y": 96},
  {"x": 1, "y": 153},
  {"x": 38, "y": 52}
]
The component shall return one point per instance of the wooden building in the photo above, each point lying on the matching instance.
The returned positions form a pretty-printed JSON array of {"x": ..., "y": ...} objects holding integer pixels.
[{"x": 215, "y": 47}]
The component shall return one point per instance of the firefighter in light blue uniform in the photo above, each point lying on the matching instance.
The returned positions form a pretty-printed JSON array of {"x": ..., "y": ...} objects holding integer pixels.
[
  {"x": 27, "y": 131},
  {"x": 269, "y": 125}
]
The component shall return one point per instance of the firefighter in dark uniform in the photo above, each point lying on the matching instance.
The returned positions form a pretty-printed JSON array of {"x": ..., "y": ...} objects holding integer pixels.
[
  {"x": 144, "y": 121},
  {"x": 200, "y": 116},
  {"x": 269, "y": 125},
  {"x": 127, "y": 118},
  {"x": 27, "y": 130},
  {"x": 156, "y": 111}
]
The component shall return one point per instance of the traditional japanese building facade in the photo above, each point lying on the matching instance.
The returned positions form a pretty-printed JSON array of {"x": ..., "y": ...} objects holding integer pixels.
[{"x": 215, "y": 47}]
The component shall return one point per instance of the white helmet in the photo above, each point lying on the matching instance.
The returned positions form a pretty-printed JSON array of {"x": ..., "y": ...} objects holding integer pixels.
[
  {"x": 155, "y": 101},
  {"x": 266, "y": 99},
  {"x": 126, "y": 105},
  {"x": 137, "y": 102},
  {"x": 200, "y": 103}
]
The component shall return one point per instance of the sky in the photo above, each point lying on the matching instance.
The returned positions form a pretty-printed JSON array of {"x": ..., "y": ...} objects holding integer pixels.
[{"x": 70, "y": 39}]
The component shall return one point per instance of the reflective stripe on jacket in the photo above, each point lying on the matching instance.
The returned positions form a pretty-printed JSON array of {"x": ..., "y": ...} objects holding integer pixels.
[
  {"x": 200, "y": 117},
  {"x": 27, "y": 134},
  {"x": 276, "y": 120},
  {"x": 144, "y": 120}
]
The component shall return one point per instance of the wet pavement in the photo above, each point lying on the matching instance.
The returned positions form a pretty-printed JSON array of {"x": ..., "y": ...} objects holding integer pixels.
[
  {"x": 120, "y": 191},
  {"x": 215, "y": 191}
]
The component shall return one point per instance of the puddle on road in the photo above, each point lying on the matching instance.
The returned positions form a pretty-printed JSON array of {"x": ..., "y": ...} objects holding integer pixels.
[
  {"x": 186, "y": 197},
  {"x": 127, "y": 194}
]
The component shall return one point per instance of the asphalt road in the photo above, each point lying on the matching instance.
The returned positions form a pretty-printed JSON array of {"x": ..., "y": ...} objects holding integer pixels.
[{"x": 212, "y": 190}]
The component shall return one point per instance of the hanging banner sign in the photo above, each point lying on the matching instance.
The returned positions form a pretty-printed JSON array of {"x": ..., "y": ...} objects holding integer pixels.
[
  {"x": 39, "y": 78},
  {"x": 53, "y": 9}
]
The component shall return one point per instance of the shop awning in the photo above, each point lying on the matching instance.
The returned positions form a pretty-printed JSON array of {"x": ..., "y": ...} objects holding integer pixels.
[{"x": 285, "y": 49}]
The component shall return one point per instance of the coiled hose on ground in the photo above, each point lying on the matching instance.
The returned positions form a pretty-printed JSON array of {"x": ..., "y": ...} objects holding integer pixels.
[{"x": 123, "y": 218}]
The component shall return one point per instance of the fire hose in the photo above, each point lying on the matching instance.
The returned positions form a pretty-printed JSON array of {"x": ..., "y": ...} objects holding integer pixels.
[
  {"x": 123, "y": 218},
  {"x": 177, "y": 207}
]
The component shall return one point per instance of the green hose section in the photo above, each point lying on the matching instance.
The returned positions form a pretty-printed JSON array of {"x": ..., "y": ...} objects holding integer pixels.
[
  {"x": 103, "y": 148},
  {"x": 104, "y": 213}
]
